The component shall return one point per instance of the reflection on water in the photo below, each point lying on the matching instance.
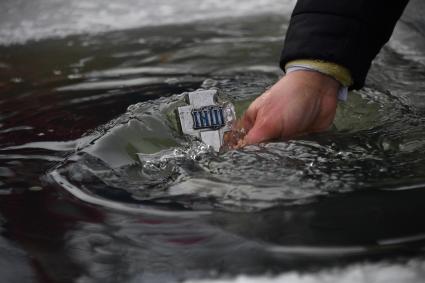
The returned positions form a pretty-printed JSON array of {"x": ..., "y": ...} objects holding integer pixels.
[{"x": 98, "y": 185}]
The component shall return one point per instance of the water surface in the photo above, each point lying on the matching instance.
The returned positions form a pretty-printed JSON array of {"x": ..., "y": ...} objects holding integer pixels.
[{"x": 79, "y": 205}]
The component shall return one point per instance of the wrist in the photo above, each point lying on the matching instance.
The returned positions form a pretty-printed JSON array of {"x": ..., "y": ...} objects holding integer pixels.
[
  {"x": 342, "y": 93},
  {"x": 336, "y": 71},
  {"x": 321, "y": 83}
]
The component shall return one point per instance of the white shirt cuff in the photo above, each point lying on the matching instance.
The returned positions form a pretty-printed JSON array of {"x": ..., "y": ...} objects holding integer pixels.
[{"x": 343, "y": 90}]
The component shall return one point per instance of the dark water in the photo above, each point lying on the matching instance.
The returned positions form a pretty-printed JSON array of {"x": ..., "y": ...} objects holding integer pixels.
[{"x": 77, "y": 204}]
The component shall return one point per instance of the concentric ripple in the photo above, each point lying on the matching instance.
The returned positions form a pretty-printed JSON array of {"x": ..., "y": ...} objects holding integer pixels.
[{"x": 141, "y": 157}]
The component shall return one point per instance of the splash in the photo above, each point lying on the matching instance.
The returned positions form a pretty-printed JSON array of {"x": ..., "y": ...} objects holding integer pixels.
[{"x": 141, "y": 157}]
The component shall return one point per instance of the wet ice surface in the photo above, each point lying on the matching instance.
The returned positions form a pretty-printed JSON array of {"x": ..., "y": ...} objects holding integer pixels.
[
  {"x": 23, "y": 20},
  {"x": 377, "y": 273},
  {"x": 79, "y": 206}
]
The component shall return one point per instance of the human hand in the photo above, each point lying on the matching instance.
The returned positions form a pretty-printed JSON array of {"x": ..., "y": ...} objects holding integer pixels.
[{"x": 301, "y": 102}]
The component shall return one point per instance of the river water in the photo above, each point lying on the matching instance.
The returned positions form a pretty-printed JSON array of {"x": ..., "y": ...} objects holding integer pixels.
[{"x": 86, "y": 86}]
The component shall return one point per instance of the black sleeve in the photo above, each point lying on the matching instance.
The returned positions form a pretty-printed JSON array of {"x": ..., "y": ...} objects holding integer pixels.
[{"x": 347, "y": 32}]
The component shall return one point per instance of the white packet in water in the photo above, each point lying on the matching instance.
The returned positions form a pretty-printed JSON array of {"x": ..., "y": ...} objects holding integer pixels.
[{"x": 206, "y": 117}]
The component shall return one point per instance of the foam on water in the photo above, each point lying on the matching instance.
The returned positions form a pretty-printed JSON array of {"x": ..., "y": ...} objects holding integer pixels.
[
  {"x": 410, "y": 272},
  {"x": 22, "y": 20}
]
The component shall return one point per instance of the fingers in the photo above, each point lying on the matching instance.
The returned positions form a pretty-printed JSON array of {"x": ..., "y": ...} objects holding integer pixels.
[
  {"x": 257, "y": 123},
  {"x": 248, "y": 118},
  {"x": 250, "y": 115},
  {"x": 264, "y": 129},
  {"x": 254, "y": 136}
]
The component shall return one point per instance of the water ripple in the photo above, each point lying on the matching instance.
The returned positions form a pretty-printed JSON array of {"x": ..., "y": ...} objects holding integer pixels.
[{"x": 142, "y": 157}]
